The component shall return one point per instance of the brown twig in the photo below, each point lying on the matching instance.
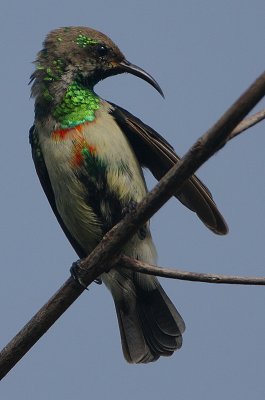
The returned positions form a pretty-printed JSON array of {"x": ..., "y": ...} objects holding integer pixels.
[
  {"x": 149, "y": 269},
  {"x": 104, "y": 253},
  {"x": 247, "y": 123}
]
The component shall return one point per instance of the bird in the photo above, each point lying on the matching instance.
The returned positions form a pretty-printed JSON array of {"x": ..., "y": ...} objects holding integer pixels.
[{"x": 89, "y": 155}]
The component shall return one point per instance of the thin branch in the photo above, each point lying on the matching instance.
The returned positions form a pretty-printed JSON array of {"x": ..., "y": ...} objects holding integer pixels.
[
  {"x": 149, "y": 269},
  {"x": 101, "y": 259},
  {"x": 247, "y": 123}
]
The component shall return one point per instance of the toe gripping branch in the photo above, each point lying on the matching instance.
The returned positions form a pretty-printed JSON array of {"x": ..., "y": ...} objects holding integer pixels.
[
  {"x": 75, "y": 274},
  {"x": 142, "y": 232}
]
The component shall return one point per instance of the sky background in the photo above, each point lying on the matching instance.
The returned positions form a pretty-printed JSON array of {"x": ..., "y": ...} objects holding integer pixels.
[{"x": 204, "y": 55}]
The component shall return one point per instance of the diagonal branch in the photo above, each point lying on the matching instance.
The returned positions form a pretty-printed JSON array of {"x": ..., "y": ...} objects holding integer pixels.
[
  {"x": 101, "y": 259},
  {"x": 149, "y": 269}
]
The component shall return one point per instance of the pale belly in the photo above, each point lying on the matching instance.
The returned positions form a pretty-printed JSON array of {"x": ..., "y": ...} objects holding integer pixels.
[{"x": 71, "y": 198}]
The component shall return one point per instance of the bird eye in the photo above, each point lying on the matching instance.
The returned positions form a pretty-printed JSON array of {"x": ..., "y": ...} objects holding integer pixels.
[{"x": 102, "y": 50}]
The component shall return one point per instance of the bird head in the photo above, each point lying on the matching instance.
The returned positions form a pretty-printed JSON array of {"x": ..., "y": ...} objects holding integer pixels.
[{"x": 81, "y": 53}]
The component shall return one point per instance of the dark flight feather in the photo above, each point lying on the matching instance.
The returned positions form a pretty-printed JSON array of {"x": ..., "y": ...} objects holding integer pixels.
[{"x": 155, "y": 153}]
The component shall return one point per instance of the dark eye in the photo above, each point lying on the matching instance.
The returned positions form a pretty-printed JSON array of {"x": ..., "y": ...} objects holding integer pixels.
[{"x": 102, "y": 50}]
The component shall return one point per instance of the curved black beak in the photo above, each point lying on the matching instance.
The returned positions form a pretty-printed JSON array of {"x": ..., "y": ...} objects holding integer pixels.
[{"x": 126, "y": 66}]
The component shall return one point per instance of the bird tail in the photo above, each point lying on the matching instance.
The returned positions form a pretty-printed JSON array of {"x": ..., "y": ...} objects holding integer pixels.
[{"x": 150, "y": 326}]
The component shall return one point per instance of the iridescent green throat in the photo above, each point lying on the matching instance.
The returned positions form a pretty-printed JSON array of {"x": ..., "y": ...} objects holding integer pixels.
[{"x": 77, "y": 106}]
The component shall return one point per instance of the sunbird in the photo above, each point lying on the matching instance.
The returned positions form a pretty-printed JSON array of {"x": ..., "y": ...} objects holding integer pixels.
[{"x": 89, "y": 154}]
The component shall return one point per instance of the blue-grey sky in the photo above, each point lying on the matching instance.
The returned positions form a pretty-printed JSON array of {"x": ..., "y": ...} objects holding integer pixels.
[{"x": 204, "y": 55}]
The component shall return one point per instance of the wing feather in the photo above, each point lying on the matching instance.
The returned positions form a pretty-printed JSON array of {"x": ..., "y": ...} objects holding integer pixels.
[{"x": 155, "y": 153}]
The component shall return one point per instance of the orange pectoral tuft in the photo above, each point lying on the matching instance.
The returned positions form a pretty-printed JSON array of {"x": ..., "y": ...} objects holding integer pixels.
[
  {"x": 77, "y": 159},
  {"x": 91, "y": 149},
  {"x": 79, "y": 148},
  {"x": 61, "y": 134}
]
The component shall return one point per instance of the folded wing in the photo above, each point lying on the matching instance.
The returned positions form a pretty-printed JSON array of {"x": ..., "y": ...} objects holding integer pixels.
[{"x": 155, "y": 153}]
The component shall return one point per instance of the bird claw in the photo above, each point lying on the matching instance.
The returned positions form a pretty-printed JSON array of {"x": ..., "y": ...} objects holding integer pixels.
[{"x": 74, "y": 271}]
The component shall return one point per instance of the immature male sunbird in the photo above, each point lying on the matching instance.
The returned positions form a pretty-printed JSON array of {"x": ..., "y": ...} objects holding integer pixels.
[{"x": 89, "y": 155}]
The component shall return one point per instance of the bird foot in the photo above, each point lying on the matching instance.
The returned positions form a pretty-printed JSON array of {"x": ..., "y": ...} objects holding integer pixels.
[{"x": 74, "y": 271}]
